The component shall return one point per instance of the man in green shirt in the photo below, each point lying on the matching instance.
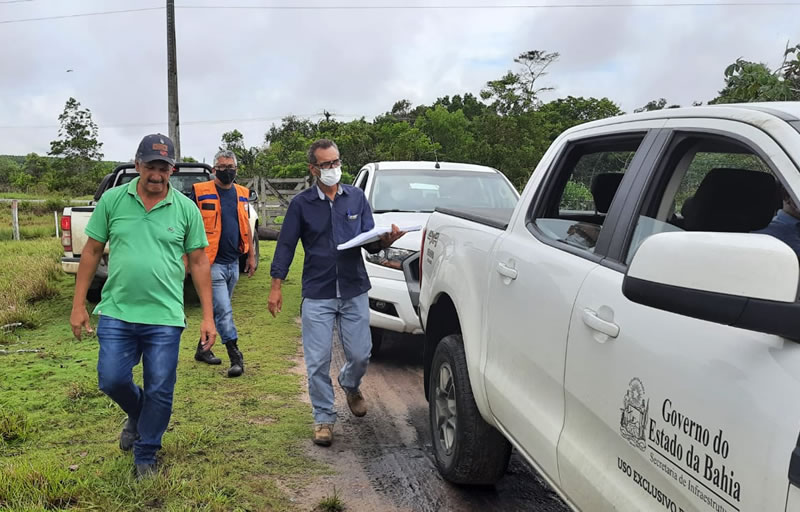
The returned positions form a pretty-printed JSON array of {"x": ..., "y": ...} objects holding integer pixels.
[{"x": 149, "y": 226}]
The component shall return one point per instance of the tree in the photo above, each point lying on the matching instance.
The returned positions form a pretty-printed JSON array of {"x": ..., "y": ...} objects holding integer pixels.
[
  {"x": 516, "y": 93},
  {"x": 577, "y": 110},
  {"x": 77, "y": 135},
  {"x": 8, "y": 168},
  {"x": 37, "y": 166},
  {"x": 469, "y": 104},
  {"x": 450, "y": 130},
  {"x": 747, "y": 81},
  {"x": 659, "y": 104},
  {"x": 401, "y": 141},
  {"x": 246, "y": 158},
  {"x": 188, "y": 159}
]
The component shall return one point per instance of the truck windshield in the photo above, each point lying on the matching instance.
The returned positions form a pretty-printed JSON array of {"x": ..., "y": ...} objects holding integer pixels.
[
  {"x": 424, "y": 190},
  {"x": 182, "y": 182}
]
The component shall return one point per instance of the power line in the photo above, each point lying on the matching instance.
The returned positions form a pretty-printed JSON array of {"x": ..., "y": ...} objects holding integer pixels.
[
  {"x": 81, "y": 15},
  {"x": 489, "y": 7},
  {"x": 411, "y": 7},
  {"x": 162, "y": 123}
]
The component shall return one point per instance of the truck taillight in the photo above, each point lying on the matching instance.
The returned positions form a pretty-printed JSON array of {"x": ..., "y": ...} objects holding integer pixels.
[
  {"x": 422, "y": 255},
  {"x": 66, "y": 232}
]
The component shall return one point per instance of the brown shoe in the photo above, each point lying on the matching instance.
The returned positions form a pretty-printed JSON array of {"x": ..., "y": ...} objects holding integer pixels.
[
  {"x": 323, "y": 434},
  {"x": 358, "y": 406}
]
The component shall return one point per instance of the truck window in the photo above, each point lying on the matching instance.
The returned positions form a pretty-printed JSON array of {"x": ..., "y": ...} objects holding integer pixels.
[
  {"x": 709, "y": 183},
  {"x": 423, "y": 191},
  {"x": 579, "y": 195}
]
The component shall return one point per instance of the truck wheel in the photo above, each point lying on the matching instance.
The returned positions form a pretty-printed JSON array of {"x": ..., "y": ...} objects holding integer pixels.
[
  {"x": 377, "y": 340},
  {"x": 467, "y": 449}
]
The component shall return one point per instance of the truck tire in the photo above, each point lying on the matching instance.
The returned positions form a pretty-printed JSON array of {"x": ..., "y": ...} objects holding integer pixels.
[
  {"x": 377, "y": 340},
  {"x": 466, "y": 448}
]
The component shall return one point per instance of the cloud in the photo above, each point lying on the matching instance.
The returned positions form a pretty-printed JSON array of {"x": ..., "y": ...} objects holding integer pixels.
[{"x": 244, "y": 64}]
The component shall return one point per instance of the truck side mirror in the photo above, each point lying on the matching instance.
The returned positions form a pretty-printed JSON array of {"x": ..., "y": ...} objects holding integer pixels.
[
  {"x": 743, "y": 280},
  {"x": 253, "y": 196}
]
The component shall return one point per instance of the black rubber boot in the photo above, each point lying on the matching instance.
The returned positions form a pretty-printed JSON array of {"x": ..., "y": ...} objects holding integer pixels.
[
  {"x": 237, "y": 360},
  {"x": 207, "y": 357}
]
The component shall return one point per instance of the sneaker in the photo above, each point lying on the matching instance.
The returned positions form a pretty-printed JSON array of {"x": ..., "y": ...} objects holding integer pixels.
[
  {"x": 146, "y": 470},
  {"x": 356, "y": 402},
  {"x": 323, "y": 434},
  {"x": 128, "y": 436}
]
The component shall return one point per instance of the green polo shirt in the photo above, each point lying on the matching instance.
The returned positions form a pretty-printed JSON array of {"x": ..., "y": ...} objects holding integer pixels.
[{"x": 145, "y": 263}]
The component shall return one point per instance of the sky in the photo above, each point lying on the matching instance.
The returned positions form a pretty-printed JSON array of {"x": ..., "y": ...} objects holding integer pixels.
[{"x": 247, "y": 68}]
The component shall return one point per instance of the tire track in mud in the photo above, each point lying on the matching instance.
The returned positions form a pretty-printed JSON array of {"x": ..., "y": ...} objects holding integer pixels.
[{"x": 384, "y": 461}]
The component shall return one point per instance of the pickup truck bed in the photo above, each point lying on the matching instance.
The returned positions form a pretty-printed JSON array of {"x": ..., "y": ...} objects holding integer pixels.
[{"x": 74, "y": 219}]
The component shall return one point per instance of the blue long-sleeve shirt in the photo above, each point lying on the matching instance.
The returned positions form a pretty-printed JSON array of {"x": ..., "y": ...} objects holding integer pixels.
[
  {"x": 785, "y": 228},
  {"x": 322, "y": 225}
]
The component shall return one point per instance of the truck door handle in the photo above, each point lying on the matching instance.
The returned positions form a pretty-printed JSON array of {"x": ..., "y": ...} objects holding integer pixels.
[
  {"x": 506, "y": 271},
  {"x": 596, "y": 323}
]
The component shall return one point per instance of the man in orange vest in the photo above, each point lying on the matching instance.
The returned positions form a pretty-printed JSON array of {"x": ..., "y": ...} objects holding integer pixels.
[{"x": 226, "y": 217}]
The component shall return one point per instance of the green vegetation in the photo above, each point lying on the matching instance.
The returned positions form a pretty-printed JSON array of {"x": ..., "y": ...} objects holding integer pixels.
[
  {"x": 28, "y": 275},
  {"x": 506, "y": 125},
  {"x": 232, "y": 443},
  {"x": 35, "y": 220},
  {"x": 331, "y": 503}
]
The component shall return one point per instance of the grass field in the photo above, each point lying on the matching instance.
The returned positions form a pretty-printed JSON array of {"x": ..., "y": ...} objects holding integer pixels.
[
  {"x": 28, "y": 275},
  {"x": 24, "y": 195},
  {"x": 233, "y": 444},
  {"x": 35, "y": 219}
]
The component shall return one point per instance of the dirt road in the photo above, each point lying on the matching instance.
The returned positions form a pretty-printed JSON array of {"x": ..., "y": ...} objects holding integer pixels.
[{"x": 384, "y": 461}]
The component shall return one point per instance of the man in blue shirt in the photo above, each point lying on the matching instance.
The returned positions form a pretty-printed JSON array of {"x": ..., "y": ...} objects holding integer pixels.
[
  {"x": 786, "y": 224},
  {"x": 335, "y": 283}
]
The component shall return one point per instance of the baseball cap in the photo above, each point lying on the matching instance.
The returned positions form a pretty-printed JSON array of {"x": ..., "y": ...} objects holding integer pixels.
[{"x": 156, "y": 147}]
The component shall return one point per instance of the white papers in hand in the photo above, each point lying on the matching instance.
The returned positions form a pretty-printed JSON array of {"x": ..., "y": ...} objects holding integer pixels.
[{"x": 372, "y": 235}]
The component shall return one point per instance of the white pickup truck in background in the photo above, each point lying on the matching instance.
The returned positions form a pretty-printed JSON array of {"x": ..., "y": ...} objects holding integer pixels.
[
  {"x": 406, "y": 193},
  {"x": 74, "y": 219},
  {"x": 623, "y": 327}
]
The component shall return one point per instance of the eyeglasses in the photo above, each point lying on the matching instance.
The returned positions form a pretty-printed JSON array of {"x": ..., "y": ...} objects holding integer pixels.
[
  {"x": 329, "y": 165},
  {"x": 227, "y": 168}
]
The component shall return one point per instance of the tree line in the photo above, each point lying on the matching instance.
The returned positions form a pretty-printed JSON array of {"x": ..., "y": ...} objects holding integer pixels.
[{"x": 506, "y": 125}]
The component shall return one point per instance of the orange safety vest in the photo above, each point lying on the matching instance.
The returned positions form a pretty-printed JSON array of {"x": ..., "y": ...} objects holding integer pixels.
[{"x": 207, "y": 198}]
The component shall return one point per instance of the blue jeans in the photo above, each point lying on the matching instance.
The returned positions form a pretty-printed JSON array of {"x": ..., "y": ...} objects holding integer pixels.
[
  {"x": 320, "y": 316},
  {"x": 122, "y": 345},
  {"x": 223, "y": 280}
]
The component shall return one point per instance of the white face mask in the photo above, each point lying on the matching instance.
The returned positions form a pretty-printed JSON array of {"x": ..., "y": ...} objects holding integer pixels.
[{"x": 330, "y": 177}]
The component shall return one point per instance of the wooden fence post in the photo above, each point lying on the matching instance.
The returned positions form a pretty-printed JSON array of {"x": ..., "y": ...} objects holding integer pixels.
[
  {"x": 15, "y": 218},
  {"x": 55, "y": 216}
]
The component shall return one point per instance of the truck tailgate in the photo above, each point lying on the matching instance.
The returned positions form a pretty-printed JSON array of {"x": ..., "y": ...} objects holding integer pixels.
[{"x": 80, "y": 218}]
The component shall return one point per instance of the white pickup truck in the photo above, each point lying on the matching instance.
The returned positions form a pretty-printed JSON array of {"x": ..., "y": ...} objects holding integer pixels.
[
  {"x": 74, "y": 219},
  {"x": 406, "y": 193},
  {"x": 623, "y": 327}
]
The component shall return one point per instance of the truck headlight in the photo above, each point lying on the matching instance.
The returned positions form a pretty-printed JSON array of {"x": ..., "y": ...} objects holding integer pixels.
[{"x": 391, "y": 257}]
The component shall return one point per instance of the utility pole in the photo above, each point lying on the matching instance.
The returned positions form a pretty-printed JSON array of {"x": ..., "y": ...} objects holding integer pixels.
[{"x": 172, "y": 81}]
